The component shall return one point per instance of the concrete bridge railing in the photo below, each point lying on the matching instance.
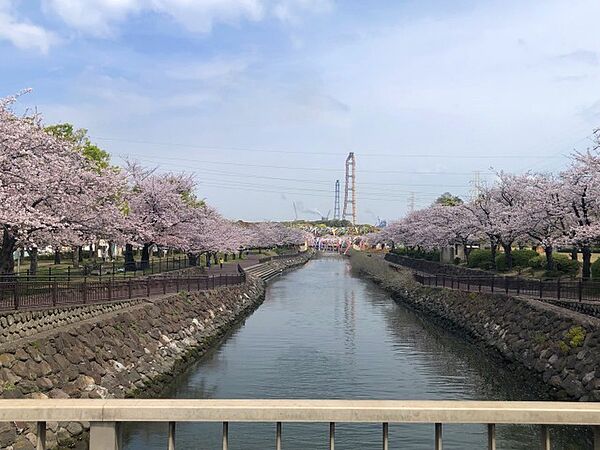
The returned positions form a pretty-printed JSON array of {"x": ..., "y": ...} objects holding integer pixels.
[{"x": 106, "y": 416}]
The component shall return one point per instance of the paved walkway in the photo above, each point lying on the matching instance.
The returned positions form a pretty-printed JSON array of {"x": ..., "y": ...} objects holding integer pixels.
[{"x": 230, "y": 267}]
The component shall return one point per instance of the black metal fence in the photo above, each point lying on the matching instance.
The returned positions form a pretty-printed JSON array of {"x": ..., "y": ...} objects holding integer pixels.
[
  {"x": 432, "y": 267},
  {"x": 265, "y": 259},
  {"x": 19, "y": 294},
  {"x": 102, "y": 270},
  {"x": 577, "y": 290}
]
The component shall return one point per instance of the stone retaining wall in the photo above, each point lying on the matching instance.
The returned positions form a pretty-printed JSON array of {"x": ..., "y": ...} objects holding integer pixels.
[
  {"x": 21, "y": 324},
  {"x": 131, "y": 349},
  {"x": 560, "y": 346}
]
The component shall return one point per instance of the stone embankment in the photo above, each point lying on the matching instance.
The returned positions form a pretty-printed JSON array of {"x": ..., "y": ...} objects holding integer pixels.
[
  {"x": 560, "y": 346},
  {"x": 117, "y": 350}
]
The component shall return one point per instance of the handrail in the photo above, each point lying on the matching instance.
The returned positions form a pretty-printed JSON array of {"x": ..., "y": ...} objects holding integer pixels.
[
  {"x": 258, "y": 410},
  {"x": 106, "y": 416}
]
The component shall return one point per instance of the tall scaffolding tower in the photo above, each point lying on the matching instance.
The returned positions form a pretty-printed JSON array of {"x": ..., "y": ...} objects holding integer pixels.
[
  {"x": 350, "y": 189},
  {"x": 336, "y": 203}
]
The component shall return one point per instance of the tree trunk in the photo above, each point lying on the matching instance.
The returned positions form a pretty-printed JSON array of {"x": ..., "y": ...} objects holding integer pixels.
[
  {"x": 508, "y": 256},
  {"x": 145, "y": 260},
  {"x": 225, "y": 257},
  {"x": 111, "y": 253},
  {"x": 192, "y": 259},
  {"x": 549, "y": 260},
  {"x": 215, "y": 258},
  {"x": 57, "y": 256},
  {"x": 494, "y": 250},
  {"x": 7, "y": 262},
  {"x": 129, "y": 259},
  {"x": 467, "y": 251},
  {"x": 33, "y": 260},
  {"x": 76, "y": 255},
  {"x": 574, "y": 253},
  {"x": 207, "y": 259},
  {"x": 586, "y": 251}
]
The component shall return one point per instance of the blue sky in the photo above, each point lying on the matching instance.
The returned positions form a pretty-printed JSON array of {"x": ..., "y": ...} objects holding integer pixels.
[{"x": 262, "y": 99}]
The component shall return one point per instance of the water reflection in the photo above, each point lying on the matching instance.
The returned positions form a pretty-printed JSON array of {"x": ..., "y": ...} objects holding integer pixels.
[{"x": 323, "y": 333}]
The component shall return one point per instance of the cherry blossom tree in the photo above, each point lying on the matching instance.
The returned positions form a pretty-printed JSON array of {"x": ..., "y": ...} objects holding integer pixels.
[
  {"x": 160, "y": 210},
  {"x": 46, "y": 186},
  {"x": 581, "y": 194},
  {"x": 543, "y": 211}
]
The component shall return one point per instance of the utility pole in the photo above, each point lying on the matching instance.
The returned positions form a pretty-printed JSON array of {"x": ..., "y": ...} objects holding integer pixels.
[
  {"x": 350, "y": 189},
  {"x": 336, "y": 203}
]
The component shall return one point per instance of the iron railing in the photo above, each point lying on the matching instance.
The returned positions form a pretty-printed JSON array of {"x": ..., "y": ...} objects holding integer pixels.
[
  {"x": 101, "y": 270},
  {"x": 26, "y": 295},
  {"x": 265, "y": 259},
  {"x": 577, "y": 290},
  {"x": 432, "y": 274},
  {"x": 107, "y": 416}
]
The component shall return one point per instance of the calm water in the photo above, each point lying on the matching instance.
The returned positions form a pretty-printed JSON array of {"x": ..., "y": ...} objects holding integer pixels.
[{"x": 324, "y": 333}]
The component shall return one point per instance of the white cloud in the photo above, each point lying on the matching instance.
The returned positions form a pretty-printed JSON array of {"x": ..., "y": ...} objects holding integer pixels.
[
  {"x": 291, "y": 10},
  {"x": 216, "y": 69},
  {"x": 94, "y": 17},
  {"x": 199, "y": 16},
  {"x": 23, "y": 34},
  {"x": 100, "y": 17}
]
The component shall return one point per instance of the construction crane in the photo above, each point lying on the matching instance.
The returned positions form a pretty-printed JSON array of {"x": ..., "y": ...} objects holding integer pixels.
[{"x": 350, "y": 189}]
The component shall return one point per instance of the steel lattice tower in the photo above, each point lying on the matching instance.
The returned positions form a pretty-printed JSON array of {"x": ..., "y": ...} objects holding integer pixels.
[
  {"x": 336, "y": 203},
  {"x": 350, "y": 189}
]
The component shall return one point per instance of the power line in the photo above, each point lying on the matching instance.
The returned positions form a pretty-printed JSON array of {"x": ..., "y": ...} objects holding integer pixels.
[
  {"x": 238, "y": 188},
  {"x": 294, "y": 189},
  {"x": 303, "y": 180},
  {"x": 257, "y": 150},
  {"x": 267, "y": 166}
]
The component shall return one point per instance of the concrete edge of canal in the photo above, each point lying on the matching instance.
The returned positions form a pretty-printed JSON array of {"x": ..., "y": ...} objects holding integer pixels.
[
  {"x": 558, "y": 345},
  {"x": 131, "y": 350}
]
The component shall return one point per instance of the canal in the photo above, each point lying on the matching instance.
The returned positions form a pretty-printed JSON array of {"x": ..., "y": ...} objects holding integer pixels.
[{"x": 324, "y": 333}]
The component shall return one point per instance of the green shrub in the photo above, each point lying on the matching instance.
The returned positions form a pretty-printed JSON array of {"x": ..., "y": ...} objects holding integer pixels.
[
  {"x": 521, "y": 258},
  {"x": 564, "y": 347},
  {"x": 481, "y": 259},
  {"x": 537, "y": 262},
  {"x": 563, "y": 265},
  {"x": 566, "y": 265},
  {"x": 501, "y": 265},
  {"x": 575, "y": 336},
  {"x": 596, "y": 269},
  {"x": 429, "y": 255}
]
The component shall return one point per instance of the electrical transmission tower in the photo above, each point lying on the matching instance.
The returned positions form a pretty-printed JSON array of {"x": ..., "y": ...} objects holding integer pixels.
[
  {"x": 336, "y": 204},
  {"x": 350, "y": 189},
  {"x": 476, "y": 185}
]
